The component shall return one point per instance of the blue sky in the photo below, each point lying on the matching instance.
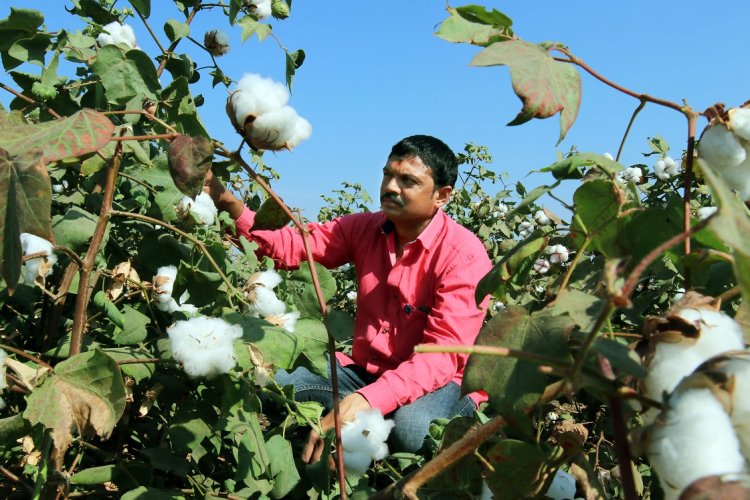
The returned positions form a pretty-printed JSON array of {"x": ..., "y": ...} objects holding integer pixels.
[{"x": 375, "y": 73}]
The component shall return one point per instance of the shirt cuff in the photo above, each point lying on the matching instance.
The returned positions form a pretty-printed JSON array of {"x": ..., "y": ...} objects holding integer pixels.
[
  {"x": 380, "y": 397},
  {"x": 244, "y": 223}
]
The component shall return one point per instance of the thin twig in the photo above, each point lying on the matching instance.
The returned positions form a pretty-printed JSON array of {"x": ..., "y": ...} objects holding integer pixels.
[
  {"x": 26, "y": 355},
  {"x": 168, "y": 53},
  {"x": 688, "y": 194},
  {"x": 151, "y": 32},
  {"x": 622, "y": 449},
  {"x": 638, "y": 109},
  {"x": 152, "y": 137},
  {"x": 5, "y": 472}
]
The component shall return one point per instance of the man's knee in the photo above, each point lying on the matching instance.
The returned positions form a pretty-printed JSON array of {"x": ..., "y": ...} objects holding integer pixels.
[{"x": 410, "y": 430}]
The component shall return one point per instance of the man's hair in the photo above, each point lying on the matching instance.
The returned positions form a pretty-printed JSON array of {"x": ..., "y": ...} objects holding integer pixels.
[{"x": 433, "y": 152}]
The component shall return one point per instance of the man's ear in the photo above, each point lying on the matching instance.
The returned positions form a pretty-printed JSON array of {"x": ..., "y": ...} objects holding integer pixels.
[{"x": 443, "y": 195}]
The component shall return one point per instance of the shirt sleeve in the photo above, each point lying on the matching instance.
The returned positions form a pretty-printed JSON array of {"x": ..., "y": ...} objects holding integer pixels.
[
  {"x": 455, "y": 319},
  {"x": 329, "y": 242}
]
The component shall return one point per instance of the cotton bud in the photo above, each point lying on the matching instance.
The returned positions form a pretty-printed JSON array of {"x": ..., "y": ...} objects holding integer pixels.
[
  {"x": 351, "y": 295},
  {"x": 500, "y": 211},
  {"x": 259, "y": 8},
  {"x": 525, "y": 228},
  {"x": 692, "y": 331},
  {"x": 557, "y": 254},
  {"x": 541, "y": 218},
  {"x": 364, "y": 440},
  {"x": 287, "y": 321},
  {"x": 216, "y": 42},
  {"x": 666, "y": 168},
  {"x": 739, "y": 121},
  {"x": 280, "y": 9},
  {"x": 204, "y": 345},
  {"x": 720, "y": 148},
  {"x": 116, "y": 33},
  {"x": 705, "y": 212},
  {"x": 202, "y": 207},
  {"x": 542, "y": 266},
  {"x": 631, "y": 174},
  {"x": 39, "y": 267},
  {"x": 692, "y": 438}
]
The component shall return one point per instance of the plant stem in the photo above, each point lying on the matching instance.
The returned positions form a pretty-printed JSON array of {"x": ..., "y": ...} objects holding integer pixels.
[
  {"x": 622, "y": 449},
  {"x": 688, "y": 180},
  {"x": 26, "y": 355},
  {"x": 173, "y": 45},
  {"x": 12, "y": 477},
  {"x": 84, "y": 287},
  {"x": 494, "y": 351},
  {"x": 145, "y": 137},
  {"x": 579, "y": 255},
  {"x": 151, "y": 32},
  {"x": 641, "y": 105},
  {"x": 581, "y": 356}
]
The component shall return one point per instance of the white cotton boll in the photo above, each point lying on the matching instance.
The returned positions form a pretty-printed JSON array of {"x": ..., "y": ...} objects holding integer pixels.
[
  {"x": 693, "y": 438},
  {"x": 115, "y": 33},
  {"x": 351, "y": 295},
  {"x": 216, "y": 42},
  {"x": 525, "y": 228},
  {"x": 720, "y": 148},
  {"x": 266, "y": 303},
  {"x": 609, "y": 156},
  {"x": 59, "y": 188},
  {"x": 31, "y": 244},
  {"x": 541, "y": 218},
  {"x": 739, "y": 121},
  {"x": 542, "y": 266},
  {"x": 269, "y": 278},
  {"x": 671, "y": 361},
  {"x": 558, "y": 254},
  {"x": 254, "y": 96},
  {"x": 738, "y": 178},
  {"x": 367, "y": 435},
  {"x": 705, "y": 212},
  {"x": 261, "y": 376},
  {"x": 501, "y": 211},
  {"x": 356, "y": 462},
  {"x": 666, "y": 168},
  {"x": 301, "y": 131},
  {"x": 164, "y": 282},
  {"x": 287, "y": 321},
  {"x": 678, "y": 295},
  {"x": 563, "y": 486},
  {"x": 279, "y": 129},
  {"x": 204, "y": 345},
  {"x": 202, "y": 207},
  {"x": 261, "y": 8},
  {"x": 631, "y": 174}
]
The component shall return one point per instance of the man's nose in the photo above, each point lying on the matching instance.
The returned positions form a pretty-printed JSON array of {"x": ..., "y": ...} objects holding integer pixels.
[{"x": 390, "y": 185}]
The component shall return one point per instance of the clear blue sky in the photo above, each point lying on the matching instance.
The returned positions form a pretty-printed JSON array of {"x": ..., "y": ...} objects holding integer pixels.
[{"x": 375, "y": 73}]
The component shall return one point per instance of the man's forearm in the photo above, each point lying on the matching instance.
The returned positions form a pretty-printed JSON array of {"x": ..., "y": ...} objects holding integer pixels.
[{"x": 224, "y": 199}]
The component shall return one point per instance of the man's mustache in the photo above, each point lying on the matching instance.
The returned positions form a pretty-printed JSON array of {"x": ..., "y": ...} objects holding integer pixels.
[{"x": 393, "y": 197}]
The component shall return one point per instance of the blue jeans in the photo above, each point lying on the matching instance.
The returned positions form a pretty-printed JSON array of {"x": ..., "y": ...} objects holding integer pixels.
[{"x": 412, "y": 420}]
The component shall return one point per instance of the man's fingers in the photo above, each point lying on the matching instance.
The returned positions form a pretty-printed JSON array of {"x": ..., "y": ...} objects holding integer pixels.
[
  {"x": 319, "y": 446},
  {"x": 308, "y": 451}
]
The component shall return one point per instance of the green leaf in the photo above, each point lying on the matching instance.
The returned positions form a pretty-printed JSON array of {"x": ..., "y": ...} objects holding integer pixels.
[
  {"x": 166, "y": 460},
  {"x": 176, "y": 30},
  {"x": 133, "y": 330},
  {"x": 651, "y": 227},
  {"x": 545, "y": 86},
  {"x": 282, "y": 467},
  {"x": 519, "y": 469},
  {"x": 514, "y": 265},
  {"x": 508, "y": 381},
  {"x": 125, "y": 475},
  {"x": 21, "y": 23},
  {"x": 75, "y": 228},
  {"x": 251, "y": 454},
  {"x": 340, "y": 325},
  {"x": 139, "y": 371},
  {"x": 571, "y": 166},
  {"x": 125, "y": 75},
  {"x": 94, "y": 10},
  {"x": 25, "y": 204},
  {"x": 110, "y": 309},
  {"x": 30, "y": 50},
  {"x": 12, "y": 428},
  {"x": 181, "y": 109},
  {"x": 293, "y": 61},
  {"x": 316, "y": 345},
  {"x": 84, "y": 392},
  {"x": 597, "y": 206},
  {"x": 583, "y": 308},
  {"x": 82, "y": 133},
  {"x": 235, "y": 6},
  {"x": 148, "y": 493},
  {"x": 189, "y": 160},
  {"x": 473, "y": 24},
  {"x": 530, "y": 198},
  {"x": 303, "y": 291},
  {"x": 270, "y": 215},
  {"x": 142, "y": 6},
  {"x": 279, "y": 347},
  {"x": 252, "y": 27}
]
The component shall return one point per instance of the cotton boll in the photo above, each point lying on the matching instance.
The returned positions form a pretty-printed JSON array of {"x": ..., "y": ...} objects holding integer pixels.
[
  {"x": 261, "y": 376},
  {"x": 202, "y": 207},
  {"x": 609, "y": 156},
  {"x": 558, "y": 254},
  {"x": 263, "y": 302},
  {"x": 356, "y": 462},
  {"x": 705, "y": 212},
  {"x": 500, "y": 211},
  {"x": 216, "y": 42},
  {"x": 115, "y": 33},
  {"x": 739, "y": 121},
  {"x": 254, "y": 96},
  {"x": 279, "y": 129},
  {"x": 260, "y": 8},
  {"x": 738, "y": 178},
  {"x": 666, "y": 168},
  {"x": 366, "y": 436},
  {"x": 525, "y": 228},
  {"x": 40, "y": 266},
  {"x": 541, "y": 218},
  {"x": 204, "y": 345},
  {"x": 631, "y": 174},
  {"x": 268, "y": 278},
  {"x": 720, "y": 148},
  {"x": 301, "y": 131},
  {"x": 693, "y": 438},
  {"x": 542, "y": 266},
  {"x": 287, "y": 321},
  {"x": 163, "y": 283}
]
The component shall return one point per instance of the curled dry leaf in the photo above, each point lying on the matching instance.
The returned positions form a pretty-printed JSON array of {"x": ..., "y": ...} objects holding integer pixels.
[
  {"x": 29, "y": 376},
  {"x": 149, "y": 399},
  {"x": 122, "y": 273}
]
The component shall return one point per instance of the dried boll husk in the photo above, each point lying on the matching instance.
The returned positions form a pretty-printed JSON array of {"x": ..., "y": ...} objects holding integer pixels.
[{"x": 693, "y": 331}]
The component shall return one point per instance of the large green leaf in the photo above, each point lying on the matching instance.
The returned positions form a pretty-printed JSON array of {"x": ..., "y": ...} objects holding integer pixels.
[
  {"x": 180, "y": 106},
  {"x": 84, "y": 132},
  {"x": 252, "y": 456},
  {"x": 270, "y": 215},
  {"x": 303, "y": 291},
  {"x": 25, "y": 195},
  {"x": 282, "y": 467},
  {"x": 189, "y": 160},
  {"x": 515, "y": 265},
  {"x": 519, "y": 469},
  {"x": 75, "y": 228},
  {"x": 316, "y": 345},
  {"x": 597, "y": 206},
  {"x": 125, "y": 75},
  {"x": 85, "y": 392},
  {"x": 139, "y": 371},
  {"x": 508, "y": 381},
  {"x": 571, "y": 167},
  {"x": 279, "y": 346},
  {"x": 32, "y": 50},
  {"x": 252, "y": 27},
  {"x": 545, "y": 86},
  {"x": 142, "y": 6},
  {"x": 473, "y": 24},
  {"x": 21, "y": 23}
]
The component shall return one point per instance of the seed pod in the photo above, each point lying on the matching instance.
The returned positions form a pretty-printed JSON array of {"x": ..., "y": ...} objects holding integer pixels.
[{"x": 280, "y": 9}]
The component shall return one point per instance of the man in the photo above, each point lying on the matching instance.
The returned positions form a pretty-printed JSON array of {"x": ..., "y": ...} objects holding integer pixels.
[{"x": 417, "y": 272}]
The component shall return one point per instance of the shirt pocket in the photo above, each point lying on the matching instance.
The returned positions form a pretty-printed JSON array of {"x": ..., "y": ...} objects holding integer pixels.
[{"x": 410, "y": 332}]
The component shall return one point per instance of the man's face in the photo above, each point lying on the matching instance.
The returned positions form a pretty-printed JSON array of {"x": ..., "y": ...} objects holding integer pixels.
[{"x": 408, "y": 194}]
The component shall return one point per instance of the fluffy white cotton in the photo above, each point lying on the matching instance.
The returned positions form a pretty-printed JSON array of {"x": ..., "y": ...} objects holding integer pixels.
[
  {"x": 630, "y": 174},
  {"x": 351, "y": 295},
  {"x": 260, "y": 8},
  {"x": 672, "y": 361},
  {"x": 692, "y": 439},
  {"x": 558, "y": 254},
  {"x": 500, "y": 211},
  {"x": 563, "y": 486},
  {"x": 268, "y": 278},
  {"x": 59, "y": 188},
  {"x": 265, "y": 303},
  {"x": 525, "y": 228},
  {"x": 287, "y": 321},
  {"x": 254, "y": 96},
  {"x": 163, "y": 285},
  {"x": 115, "y": 33},
  {"x": 705, "y": 212},
  {"x": 279, "y": 129},
  {"x": 666, "y": 168},
  {"x": 364, "y": 440},
  {"x": 739, "y": 121},
  {"x": 204, "y": 345},
  {"x": 216, "y": 42},
  {"x": 720, "y": 148},
  {"x": 541, "y": 218},
  {"x": 542, "y": 266},
  {"x": 40, "y": 266},
  {"x": 738, "y": 178},
  {"x": 261, "y": 376},
  {"x": 202, "y": 208}
]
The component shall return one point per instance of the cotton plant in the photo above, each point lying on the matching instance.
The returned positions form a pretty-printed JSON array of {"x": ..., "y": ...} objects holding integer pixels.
[
  {"x": 500, "y": 211},
  {"x": 541, "y": 218},
  {"x": 39, "y": 267},
  {"x": 202, "y": 208},
  {"x": 725, "y": 146},
  {"x": 259, "y": 112},
  {"x": 558, "y": 254},
  {"x": 259, "y": 8},
  {"x": 203, "y": 345},
  {"x": 216, "y": 43},
  {"x": 666, "y": 168},
  {"x": 259, "y": 294},
  {"x": 525, "y": 228},
  {"x": 116, "y": 33},
  {"x": 630, "y": 174},
  {"x": 705, "y": 212},
  {"x": 364, "y": 440},
  {"x": 542, "y": 266},
  {"x": 163, "y": 286}
]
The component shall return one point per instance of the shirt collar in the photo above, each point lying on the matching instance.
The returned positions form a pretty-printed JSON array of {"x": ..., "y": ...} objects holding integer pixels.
[{"x": 426, "y": 237}]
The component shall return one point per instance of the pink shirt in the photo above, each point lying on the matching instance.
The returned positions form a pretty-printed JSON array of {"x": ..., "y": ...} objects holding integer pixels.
[{"x": 425, "y": 297}]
